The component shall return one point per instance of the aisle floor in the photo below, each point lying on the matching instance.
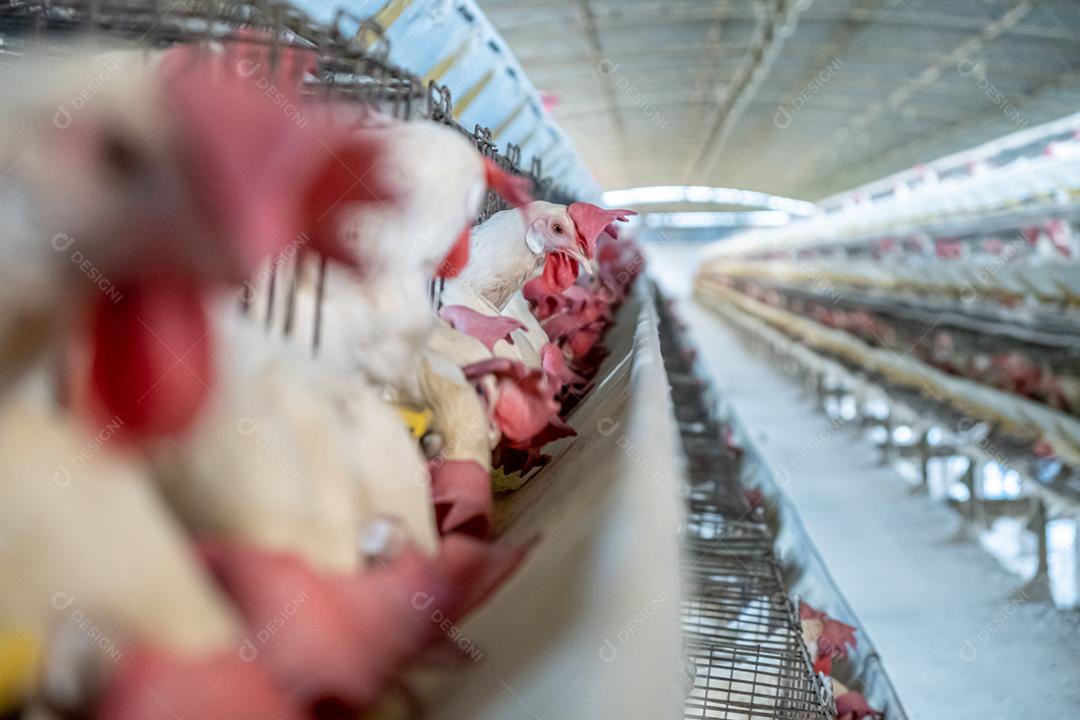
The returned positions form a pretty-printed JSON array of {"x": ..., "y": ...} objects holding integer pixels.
[{"x": 937, "y": 606}]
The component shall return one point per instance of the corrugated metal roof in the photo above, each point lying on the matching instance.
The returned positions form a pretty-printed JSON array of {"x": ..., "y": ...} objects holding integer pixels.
[{"x": 789, "y": 97}]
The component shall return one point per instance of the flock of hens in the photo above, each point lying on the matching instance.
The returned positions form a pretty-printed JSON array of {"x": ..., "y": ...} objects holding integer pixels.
[{"x": 200, "y": 519}]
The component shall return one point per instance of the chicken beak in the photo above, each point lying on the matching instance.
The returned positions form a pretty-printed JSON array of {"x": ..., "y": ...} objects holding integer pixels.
[{"x": 583, "y": 260}]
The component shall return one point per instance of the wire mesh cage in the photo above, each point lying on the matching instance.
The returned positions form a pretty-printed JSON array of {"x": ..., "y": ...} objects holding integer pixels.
[{"x": 741, "y": 631}]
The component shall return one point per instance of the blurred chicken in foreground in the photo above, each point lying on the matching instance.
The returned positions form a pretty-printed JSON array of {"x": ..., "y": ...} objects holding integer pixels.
[
  {"x": 140, "y": 191},
  {"x": 171, "y": 180}
]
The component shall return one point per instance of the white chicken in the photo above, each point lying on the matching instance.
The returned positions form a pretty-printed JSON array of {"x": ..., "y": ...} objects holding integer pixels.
[
  {"x": 64, "y": 229},
  {"x": 294, "y": 456},
  {"x": 127, "y": 207},
  {"x": 376, "y": 322},
  {"x": 505, "y": 251},
  {"x": 509, "y": 248},
  {"x": 99, "y": 577}
]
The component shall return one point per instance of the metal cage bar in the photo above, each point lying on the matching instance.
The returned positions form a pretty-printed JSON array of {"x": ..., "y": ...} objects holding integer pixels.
[
  {"x": 351, "y": 65},
  {"x": 741, "y": 632}
]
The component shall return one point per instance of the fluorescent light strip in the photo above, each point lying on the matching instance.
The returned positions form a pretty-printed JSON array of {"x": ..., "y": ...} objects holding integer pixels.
[{"x": 662, "y": 194}]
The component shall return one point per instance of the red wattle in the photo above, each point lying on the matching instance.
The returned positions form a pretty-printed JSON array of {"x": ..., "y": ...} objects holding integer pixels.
[
  {"x": 458, "y": 257},
  {"x": 150, "y": 364},
  {"x": 560, "y": 271}
]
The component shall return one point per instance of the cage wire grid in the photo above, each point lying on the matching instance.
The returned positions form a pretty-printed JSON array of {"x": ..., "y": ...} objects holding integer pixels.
[
  {"x": 741, "y": 631},
  {"x": 351, "y": 65}
]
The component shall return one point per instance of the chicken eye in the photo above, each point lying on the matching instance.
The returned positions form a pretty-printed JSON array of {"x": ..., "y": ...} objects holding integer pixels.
[
  {"x": 557, "y": 228},
  {"x": 120, "y": 156}
]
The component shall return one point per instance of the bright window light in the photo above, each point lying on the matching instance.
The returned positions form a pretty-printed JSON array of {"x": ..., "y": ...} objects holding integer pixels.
[
  {"x": 759, "y": 218},
  {"x": 661, "y": 194}
]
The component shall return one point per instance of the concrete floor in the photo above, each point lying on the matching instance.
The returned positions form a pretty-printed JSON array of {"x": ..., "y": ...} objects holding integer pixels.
[{"x": 939, "y": 608}]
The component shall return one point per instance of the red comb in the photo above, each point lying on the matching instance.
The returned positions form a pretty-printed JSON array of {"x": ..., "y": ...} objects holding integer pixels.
[
  {"x": 461, "y": 491},
  {"x": 515, "y": 189},
  {"x": 255, "y": 61},
  {"x": 348, "y": 174},
  {"x": 247, "y": 149},
  {"x": 554, "y": 362},
  {"x": 591, "y": 220},
  {"x": 544, "y": 300},
  {"x": 526, "y": 397},
  {"x": 488, "y": 329},
  {"x": 266, "y": 173}
]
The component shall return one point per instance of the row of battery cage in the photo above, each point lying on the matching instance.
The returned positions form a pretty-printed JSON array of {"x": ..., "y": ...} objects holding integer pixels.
[
  {"x": 745, "y": 657},
  {"x": 351, "y": 65}
]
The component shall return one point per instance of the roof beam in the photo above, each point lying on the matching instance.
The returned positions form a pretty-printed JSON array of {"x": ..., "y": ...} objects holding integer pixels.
[
  {"x": 620, "y": 15},
  {"x": 990, "y": 30},
  {"x": 951, "y": 135},
  {"x": 777, "y": 23},
  {"x": 596, "y": 54},
  {"x": 708, "y": 65},
  {"x": 549, "y": 59}
]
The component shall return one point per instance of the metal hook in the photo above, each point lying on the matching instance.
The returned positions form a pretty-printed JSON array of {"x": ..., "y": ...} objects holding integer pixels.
[
  {"x": 513, "y": 155},
  {"x": 378, "y": 46},
  {"x": 440, "y": 105}
]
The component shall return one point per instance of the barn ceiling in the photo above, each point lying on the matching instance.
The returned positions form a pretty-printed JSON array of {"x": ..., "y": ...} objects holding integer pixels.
[{"x": 790, "y": 97}]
